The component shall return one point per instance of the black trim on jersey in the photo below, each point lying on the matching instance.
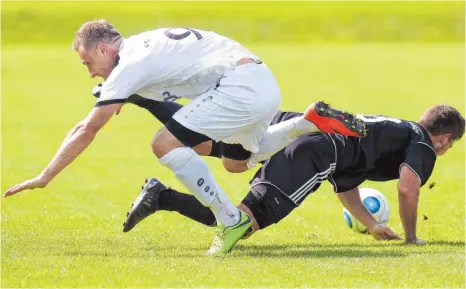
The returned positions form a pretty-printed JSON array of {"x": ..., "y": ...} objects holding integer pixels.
[
  {"x": 186, "y": 136},
  {"x": 110, "y": 101},
  {"x": 97, "y": 93}
]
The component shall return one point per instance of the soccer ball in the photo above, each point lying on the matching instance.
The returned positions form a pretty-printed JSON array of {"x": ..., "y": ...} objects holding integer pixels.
[{"x": 377, "y": 205}]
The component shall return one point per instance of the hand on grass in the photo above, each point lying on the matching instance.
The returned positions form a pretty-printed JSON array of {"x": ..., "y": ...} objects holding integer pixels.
[
  {"x": 382, "y": 232},
  {"x": 37, "y": 182}
]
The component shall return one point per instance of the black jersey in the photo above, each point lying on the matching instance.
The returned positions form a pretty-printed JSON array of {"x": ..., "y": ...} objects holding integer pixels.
[
  {"x": 389, "y": 144},
  {"x": 298, "y": 169},
  {"x": 347, "y": 162}
]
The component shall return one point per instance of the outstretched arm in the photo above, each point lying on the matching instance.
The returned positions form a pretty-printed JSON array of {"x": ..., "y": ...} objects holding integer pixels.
[
  {"x": 352, "y": 202},
  {"x": 408, "y": 197},
  {"x": 74, "y": 144}
]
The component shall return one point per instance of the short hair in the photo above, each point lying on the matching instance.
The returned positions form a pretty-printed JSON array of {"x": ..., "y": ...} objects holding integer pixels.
[
  {"x": 93, "y": 32},
  {"x": 441, "y": 119}
]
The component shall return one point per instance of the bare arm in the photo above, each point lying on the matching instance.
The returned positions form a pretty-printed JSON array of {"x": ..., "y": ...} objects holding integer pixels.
[
  {"x": 352, "y": 202},
  {"x": 408, "y": 196},
  {"x": 74, "y": 144}
]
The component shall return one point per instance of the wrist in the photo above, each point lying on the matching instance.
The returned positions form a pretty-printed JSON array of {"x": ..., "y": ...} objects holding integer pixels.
[
  {"x": 372, "y": 226},
  {"x": 45, "y": 177}
]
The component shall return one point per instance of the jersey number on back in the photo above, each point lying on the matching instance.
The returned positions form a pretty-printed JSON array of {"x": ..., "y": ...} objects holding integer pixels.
[
  {"x": 182, "y": 35},
  {"x": 377, "y": 118},
  {"x": 170, "y": 97}
]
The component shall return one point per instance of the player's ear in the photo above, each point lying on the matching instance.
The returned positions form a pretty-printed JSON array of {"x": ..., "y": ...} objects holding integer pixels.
[
  {"x": 446, "y": 138},
  {"x": 101, "y": 48}
]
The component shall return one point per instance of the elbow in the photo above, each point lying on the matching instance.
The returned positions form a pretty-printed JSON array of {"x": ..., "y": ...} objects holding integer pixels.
[
  {"x": 340, "y": 196},
  {"x": 408, "y": 192},
  {"x": 88, "y": 131}
]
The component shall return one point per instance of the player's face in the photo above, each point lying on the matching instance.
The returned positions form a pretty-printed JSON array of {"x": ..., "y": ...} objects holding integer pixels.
[
  {"x": 97, "y": 60},
  {"x": 444, "y": 146}
]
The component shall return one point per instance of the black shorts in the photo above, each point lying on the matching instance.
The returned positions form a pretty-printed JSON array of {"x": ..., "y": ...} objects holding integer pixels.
[
  {"x": 301, "y": 167},
  {"x": 186, "y": 136},
  {"x": 191, "y": 138},
  {"x": 268, "y": 204}
]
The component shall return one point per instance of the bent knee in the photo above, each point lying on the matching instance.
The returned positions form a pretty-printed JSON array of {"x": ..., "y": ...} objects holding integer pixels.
[{"x": 163, "y": 142}]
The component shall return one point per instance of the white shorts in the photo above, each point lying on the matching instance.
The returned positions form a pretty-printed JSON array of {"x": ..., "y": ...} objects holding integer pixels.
[{"x": 239, "y": 110}]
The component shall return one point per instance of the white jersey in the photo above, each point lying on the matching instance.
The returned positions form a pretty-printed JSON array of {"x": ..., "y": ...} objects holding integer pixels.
[{"x": 170, "y": 63}]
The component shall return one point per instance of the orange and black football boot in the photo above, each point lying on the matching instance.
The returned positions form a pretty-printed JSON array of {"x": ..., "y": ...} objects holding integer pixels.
[{"x": 331, "y": 120}]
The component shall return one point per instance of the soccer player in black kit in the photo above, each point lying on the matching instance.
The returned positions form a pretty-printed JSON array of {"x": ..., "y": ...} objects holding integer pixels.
[{"x": 393, "y": 149}]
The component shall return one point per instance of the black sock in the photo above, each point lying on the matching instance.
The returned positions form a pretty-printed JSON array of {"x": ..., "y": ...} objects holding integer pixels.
[
  {"x": 216, "y": 149},
  {"x": 186, "y": 205}
]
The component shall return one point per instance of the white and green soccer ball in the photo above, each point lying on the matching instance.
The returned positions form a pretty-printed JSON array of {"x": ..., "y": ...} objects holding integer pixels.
[{"x": 376, "y": 203}]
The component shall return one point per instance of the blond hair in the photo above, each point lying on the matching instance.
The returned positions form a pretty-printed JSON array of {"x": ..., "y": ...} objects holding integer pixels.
[{"x": 93, "y": 32}]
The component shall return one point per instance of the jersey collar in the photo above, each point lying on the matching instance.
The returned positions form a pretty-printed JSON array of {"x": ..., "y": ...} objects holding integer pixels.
[{"x": 117, "y": 58}]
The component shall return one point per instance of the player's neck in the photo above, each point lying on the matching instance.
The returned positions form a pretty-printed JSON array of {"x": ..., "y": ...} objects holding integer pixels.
[{"x": 440, "y": 142}]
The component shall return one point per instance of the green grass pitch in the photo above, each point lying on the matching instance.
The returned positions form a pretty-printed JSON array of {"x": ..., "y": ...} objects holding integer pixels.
[
  {"x": 382, "y": 58},
  {"x": 69, "y": 235}
]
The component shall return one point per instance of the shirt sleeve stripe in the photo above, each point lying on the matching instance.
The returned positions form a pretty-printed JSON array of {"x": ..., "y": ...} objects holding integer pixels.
[
  {"x": 405, "y": 164},
  {"x": 428, "y": 147},
  {"x": 111, "y": 101}
]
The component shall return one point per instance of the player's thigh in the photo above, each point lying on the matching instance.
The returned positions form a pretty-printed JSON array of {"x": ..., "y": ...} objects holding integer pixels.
[
  {"x": 252, "y": 92},
  {"x": 163, "y": 142},
  {"x": 267, "y": 204},
  {"x": 184, "y": 125},
  {"x": 175, "y": 135},
  {"x": 203, "y": 149}
]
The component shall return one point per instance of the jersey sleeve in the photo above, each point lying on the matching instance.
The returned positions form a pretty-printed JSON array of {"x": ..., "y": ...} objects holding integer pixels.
[
  {"x": 125, "y": 79},
  {"x": 420, "y": 158}
]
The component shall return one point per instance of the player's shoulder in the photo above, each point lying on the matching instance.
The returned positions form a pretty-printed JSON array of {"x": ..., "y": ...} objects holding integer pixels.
[
  {"x": 416, "y": 134},
  {"x": 420, "y": 137},
  {"x": 135, "y": 49},
  {"x": 385, "y": 125}
]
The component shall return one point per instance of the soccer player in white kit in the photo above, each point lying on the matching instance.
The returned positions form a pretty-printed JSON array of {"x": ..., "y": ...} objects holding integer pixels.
[{"x": 234, "y": 98}]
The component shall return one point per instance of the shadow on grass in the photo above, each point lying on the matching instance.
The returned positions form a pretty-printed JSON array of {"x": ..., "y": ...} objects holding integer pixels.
[
  {"x": 309, "y": 250},
  {"x": 269, "y": 251},
  {"x": 448, "y": 243},
  {"x": 380, "y": 244}
]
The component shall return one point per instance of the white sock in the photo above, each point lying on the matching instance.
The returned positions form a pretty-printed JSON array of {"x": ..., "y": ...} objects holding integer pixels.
[
  {"x": 279, "y": 136},
  {"x": 225, "y": 212},
  {"x": 192, "y": 172}
]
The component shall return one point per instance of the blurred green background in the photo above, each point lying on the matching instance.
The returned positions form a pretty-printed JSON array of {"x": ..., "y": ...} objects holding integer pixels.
[
  {"x": 392, "y": 58},
  {"x": 304, "y": 22}
]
